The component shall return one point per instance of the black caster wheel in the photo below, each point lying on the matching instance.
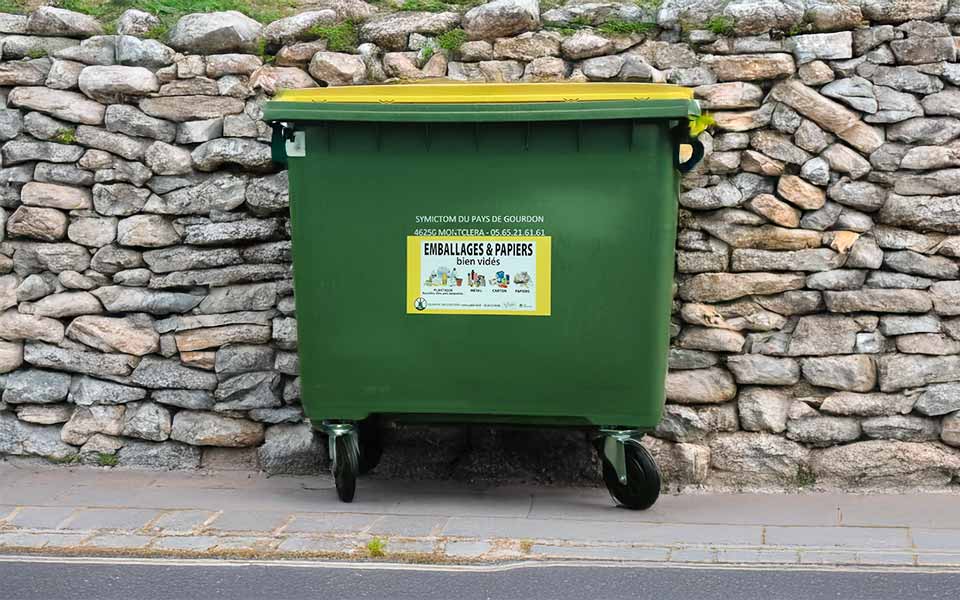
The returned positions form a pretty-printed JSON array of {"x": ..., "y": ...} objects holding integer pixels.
[
  {"x": 371, "y": 444},
  {"x": 346, "y": 467},
  {"x": 642, "y": 488}
]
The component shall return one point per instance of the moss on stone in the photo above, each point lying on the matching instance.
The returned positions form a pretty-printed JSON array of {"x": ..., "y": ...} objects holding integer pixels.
[
  {"x": 14, "y": 7},
  {"x": 67, "y": 135},
  {"x": 342, "y": 37},
  {"x": 618, "y": 27},
  {"x": 452, "y": 40},
  {"x": 721, "y": 25},
  {"x": 169, "y": 11},
  {"x": 107, "y": 460},
  {"x": 423, "y": 6}
]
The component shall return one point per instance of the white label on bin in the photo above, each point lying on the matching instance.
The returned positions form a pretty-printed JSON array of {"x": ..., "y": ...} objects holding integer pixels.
[{"x": 478, "y": 275}]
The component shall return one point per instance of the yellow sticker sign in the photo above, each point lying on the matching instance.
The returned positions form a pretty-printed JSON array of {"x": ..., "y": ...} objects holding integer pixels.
[{"x": 478, "y": 276}]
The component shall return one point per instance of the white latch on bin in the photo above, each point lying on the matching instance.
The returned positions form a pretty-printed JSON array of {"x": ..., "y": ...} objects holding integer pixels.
[{"x": 298, "y": 145}]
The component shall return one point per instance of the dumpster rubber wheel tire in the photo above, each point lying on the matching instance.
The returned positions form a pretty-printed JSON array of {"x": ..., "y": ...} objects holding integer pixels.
[
  {"x": 643, "y": 479},
  {"x": 371, "y": 445},
  {"x": 346, "y": 468}
]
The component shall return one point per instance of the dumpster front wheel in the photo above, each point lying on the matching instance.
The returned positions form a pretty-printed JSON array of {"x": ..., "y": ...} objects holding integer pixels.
[
  {"x": 344, "y": 452},
  {"x": 346, "y": 467},
  {"x": 642, "y": 486}
]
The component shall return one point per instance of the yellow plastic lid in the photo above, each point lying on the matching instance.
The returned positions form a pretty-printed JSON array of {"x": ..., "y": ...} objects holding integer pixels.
[{"x": 486, "y": 93}]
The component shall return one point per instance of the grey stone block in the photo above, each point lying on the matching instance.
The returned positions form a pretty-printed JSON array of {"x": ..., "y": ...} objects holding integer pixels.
[
  {"x": 631, "y": 553},
  {"x": 194, "y": 543},
  {"x": 110, "y": 518},
  {"x": 892, "y": 538},
  {"x": 243, "y": 520},
  {"x": 459, "y": 549},
  {"x": 119, "y": 541},
  {"x": 39, "y": 517},
  {"x": 182, "y": 521},
  {"x": 330, "y": 523},
  {"x": 320, "y": 545}
]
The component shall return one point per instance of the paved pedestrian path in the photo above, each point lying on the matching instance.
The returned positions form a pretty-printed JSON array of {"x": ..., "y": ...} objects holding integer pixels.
[{"x": 90, "y": 511}]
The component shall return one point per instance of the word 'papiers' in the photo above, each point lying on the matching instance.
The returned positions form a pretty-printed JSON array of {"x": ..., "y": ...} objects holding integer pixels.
[{"x": 478, "y": 249}]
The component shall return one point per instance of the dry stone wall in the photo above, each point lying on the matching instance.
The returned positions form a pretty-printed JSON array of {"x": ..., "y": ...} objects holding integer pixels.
[{"x": 146, "y": 308}]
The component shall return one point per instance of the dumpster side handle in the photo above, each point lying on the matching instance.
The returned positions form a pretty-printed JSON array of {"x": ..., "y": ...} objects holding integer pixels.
[
  {"x": 695, "y": 158},
  {"x": 681, "y": 135},
  {"x": 278, "y": 141}
]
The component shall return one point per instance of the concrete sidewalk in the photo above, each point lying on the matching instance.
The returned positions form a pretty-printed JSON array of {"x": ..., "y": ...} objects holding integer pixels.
[{"x": 86, "y": 510}]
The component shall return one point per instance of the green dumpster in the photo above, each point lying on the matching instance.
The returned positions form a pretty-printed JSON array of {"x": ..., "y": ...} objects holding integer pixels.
[{"x": 485, "y": 253}]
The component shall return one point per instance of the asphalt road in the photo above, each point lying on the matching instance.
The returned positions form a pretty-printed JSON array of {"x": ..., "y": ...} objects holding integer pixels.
[{"x": 27, "y": 579}]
